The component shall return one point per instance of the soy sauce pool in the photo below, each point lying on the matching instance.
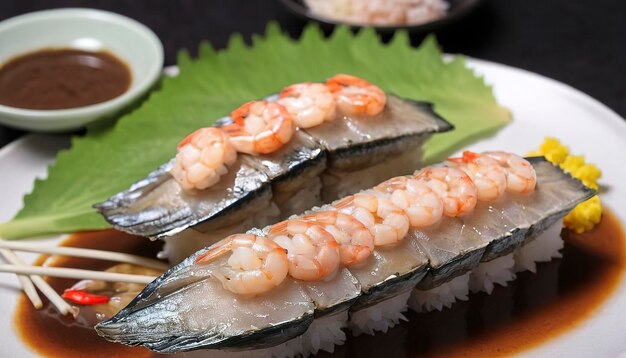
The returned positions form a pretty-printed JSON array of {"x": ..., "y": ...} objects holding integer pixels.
[
  {"x": 530, "y": 311},
  {"x": 48, "y": 333},
  {"x": 62, "y": 78}
]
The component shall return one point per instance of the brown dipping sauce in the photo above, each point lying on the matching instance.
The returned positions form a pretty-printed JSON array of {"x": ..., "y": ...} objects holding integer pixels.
[
  {"x": 530, "y": 311},
  {"x": 62, "y": 78},
  {"x": 47, "y": 332}
]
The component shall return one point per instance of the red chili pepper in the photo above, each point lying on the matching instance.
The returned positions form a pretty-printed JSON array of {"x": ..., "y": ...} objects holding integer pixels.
[{"x": 84, "y": 298}]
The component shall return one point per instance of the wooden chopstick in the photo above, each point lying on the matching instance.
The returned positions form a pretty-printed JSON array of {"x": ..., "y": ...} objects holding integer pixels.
[
  {"x": 34, "y": 279},
  {"x": 76, "y": 273},
  {"x": 87, "y": 253},
  {"x": 45, "y": 288},
  {"x": 27, "y": 284}
]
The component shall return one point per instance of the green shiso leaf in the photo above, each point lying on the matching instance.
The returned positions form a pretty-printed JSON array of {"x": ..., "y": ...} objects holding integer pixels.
[{"x": 106, "y": 161}]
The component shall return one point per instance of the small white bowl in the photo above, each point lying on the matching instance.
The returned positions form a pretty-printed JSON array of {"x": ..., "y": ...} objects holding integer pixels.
[{"x": 84, "y": 29}]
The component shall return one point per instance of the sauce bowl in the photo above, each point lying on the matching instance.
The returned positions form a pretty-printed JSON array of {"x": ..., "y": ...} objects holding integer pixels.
[{"x": 88, "y": 30}]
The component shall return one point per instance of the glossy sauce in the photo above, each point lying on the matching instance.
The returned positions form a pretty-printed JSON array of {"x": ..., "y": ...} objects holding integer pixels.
[
  {"x": 62, "y": 78},
  {"x": 47, "y": 332},
  {"x": 531, "y": 310}
]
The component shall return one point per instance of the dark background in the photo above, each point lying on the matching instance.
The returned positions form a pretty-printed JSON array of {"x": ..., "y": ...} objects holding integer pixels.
[{"x": 581, "y": 43}]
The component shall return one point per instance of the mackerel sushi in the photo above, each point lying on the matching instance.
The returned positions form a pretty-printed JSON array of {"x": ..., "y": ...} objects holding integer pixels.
[
  {"x": 357, "y": 263},
  {"x": 270, "y": 159}
]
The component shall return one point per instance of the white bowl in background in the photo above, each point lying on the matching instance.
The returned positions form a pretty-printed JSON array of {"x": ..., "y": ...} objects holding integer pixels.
[{"x": 84, "y": 29}]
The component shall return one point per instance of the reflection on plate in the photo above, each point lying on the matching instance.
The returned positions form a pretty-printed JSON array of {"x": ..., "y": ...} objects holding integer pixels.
[{"x": 540, "y": 107}]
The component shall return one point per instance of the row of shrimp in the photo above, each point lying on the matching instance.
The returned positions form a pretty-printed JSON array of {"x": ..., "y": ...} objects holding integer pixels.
[
  {"x": 314, "y": 247},
  {"x": 263, "y": 127}
]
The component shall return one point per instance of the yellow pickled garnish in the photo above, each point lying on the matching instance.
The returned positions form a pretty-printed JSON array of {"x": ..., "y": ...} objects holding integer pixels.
[
  {"x": 534, "y": 153},
  {"x": 573, "y": 162},
  {"x": 587, "y": 173},
  {"x": 587, "y": 214},
  {"x": 553, "y": 150}
]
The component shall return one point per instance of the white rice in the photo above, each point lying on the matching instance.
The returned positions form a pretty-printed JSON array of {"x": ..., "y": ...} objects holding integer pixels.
[
  {"x": 379, "y": 317},
  {"x": 545, "y": 247},
  {"x": 487, "y": 274},
  {"x": 322, "y": 335},
  {"x": 441, "y": 296},
  {"x": 380, "y": 12}
]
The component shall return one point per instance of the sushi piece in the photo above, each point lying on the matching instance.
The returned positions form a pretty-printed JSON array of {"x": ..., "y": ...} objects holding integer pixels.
[
  {"x": 357, "y": 262},
  {"x": 353, "y": 148}
]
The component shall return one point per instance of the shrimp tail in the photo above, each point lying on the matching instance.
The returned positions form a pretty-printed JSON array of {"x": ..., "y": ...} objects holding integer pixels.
[{"x": 221, "y": 248}]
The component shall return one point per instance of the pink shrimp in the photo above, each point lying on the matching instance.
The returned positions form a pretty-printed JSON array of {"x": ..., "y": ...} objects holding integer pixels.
[
  {"x": 486, "y": 173},
  {"x": 420, "y": 203},
  {"x": 520, "y": 174},
  {"x": 310, "y": 104},
  {"x": 203, "y": 156},
  {"x": 312, "y": 252},
  {"x": 260, "y": 127},
  {"x": 355, "y": 240},
  {"x": 388, "y": 223},
  {"x": 256, "y": 264},
  {"x": 453, "y": 186},
  {"x": 356, "y": 96}
]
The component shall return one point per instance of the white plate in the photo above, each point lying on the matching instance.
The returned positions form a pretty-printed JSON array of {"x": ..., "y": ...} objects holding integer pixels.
[{"x": 541, "y": 107}]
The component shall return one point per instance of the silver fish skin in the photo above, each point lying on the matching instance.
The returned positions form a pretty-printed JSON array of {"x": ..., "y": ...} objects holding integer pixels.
[
  {"x": 456, "y": 245},
  {"x": 186, "y": 309},
  {"x": 156, "y": 206},
  {"x": 185, "y": 300}
]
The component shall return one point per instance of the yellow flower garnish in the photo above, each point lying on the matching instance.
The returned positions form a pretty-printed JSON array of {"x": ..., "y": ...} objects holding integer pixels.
[
  {"x": 587, "y": 173},
  {"x": 573, "y": 162},
  {"x": 586, "y": 215},
  {"x": 553, "y": 150}
]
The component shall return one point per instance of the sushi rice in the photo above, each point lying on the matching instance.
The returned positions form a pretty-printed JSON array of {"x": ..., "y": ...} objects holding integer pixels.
[
  {"x": 544, "y": 248},
  {"x": 381, "y": 316},
  {"x": 328, "y": 331},
  {"x": 441, "y": 296},
  {"x": 487, "y": 274},
  {"x": 322, "y": 335}
]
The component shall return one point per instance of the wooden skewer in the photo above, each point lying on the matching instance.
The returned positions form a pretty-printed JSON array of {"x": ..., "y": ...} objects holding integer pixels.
[
  {"x": 88, "y": 253},
  {"x": 27, "y": 284},
  {"x": 76, "y": 273},
  {"x": 46, "y": 289}
]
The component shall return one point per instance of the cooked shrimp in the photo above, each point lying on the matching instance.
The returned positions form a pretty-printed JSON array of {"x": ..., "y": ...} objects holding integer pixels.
[
  {"x": 388, "y": 223},
  {"x": 355, "y": 240},
  {"x": 420, "y": 203},
  {"x": 453, "y": 186},
  {"x": 260, "y": 127},
  {"x": 256, "y": 264},
  {"x": 520, "y": 174},
  {"x": 312, "y": 251},
  {"x": 356, "y": 96},
  {"x": 310, "y": 104},
  {"x": 486, "y": 173},
  {"x": 202, "y": 158}
]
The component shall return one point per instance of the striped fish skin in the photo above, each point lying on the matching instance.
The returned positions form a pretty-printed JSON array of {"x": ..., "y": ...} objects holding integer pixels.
[
  {"x": 156, "y": 207},
  {"x": 154, "y": 318}
]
